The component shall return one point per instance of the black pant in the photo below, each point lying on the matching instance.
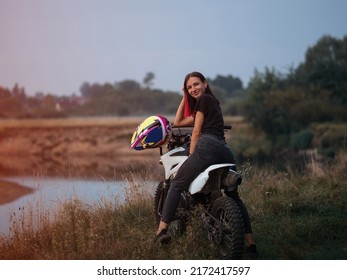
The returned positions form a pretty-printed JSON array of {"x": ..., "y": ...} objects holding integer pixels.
[{"x": 209, "y": 150}]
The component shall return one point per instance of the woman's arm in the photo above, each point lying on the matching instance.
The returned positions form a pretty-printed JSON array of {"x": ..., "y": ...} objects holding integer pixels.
[
  {"x": 180, "y": 120},
  {"x": 199, "y": 120}
]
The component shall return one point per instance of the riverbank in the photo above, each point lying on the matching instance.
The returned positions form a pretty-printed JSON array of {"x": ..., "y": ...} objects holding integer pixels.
[
  {"x": 78, "y": 147},
  {"x": 87, "y": 148},
  {"x": 10, "y": 191},
  {"x": 294, "y": 217},
  {"x": 68, "y": 148}
]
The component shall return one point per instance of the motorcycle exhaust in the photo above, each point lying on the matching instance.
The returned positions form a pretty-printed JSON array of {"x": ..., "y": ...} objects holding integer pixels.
[{"x": 231, "y": 180}]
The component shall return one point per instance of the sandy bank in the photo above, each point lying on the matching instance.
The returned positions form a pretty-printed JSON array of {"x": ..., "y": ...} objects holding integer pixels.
[{"x": 11, "y": 191}]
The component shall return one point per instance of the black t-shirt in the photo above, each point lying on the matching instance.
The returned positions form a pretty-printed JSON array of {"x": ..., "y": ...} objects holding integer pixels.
[{"x": 213, "y": 118}]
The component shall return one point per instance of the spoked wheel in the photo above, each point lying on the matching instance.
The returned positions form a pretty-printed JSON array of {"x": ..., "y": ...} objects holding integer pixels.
[
  {"x": 159, "y": 198},
  {"x": 228, "y": 234},
  {"x": 176, "y": 227}
]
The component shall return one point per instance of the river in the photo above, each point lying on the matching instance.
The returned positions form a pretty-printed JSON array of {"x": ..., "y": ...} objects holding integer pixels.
[
  {"x": 51, "y": 156},
  {"x": 51, "y": 192}
]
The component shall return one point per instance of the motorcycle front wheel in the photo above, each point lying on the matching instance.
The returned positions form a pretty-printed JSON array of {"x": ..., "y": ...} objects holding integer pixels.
[
  {"x": 159, "y": 199},
  {"x": 178, "y": 225},
  {"x": 228, "y": 228}
]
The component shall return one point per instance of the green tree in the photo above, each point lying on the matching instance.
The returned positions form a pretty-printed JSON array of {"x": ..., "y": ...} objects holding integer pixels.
[
  {"x": 148, "y": 79},
  {"x": 283, "y": 104},
  {"x": 128, "y": 86},
  {"x": 232, "y": 86},
  {"x": 255, "y": 105},
  {"x": 325, "y": 67},
  {"x": 11, "y": 107},
  {"x": 4, "y": 93}
]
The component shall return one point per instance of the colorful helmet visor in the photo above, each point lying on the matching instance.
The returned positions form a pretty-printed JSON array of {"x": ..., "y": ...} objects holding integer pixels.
[{"x": 153, "y": 132}]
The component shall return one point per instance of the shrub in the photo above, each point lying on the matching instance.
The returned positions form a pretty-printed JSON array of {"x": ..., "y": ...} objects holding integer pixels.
[{"x": 301, "y": 140}]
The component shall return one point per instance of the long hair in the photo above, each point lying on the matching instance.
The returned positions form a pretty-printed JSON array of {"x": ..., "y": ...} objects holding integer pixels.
[{"x": 190, "y": 102}]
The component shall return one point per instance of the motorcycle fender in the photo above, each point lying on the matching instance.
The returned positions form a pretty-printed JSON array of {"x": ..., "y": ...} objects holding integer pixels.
[{"x": 202, "y": 178}]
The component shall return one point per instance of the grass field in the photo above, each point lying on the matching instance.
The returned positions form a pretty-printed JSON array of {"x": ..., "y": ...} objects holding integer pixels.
[{"x": 294, "y": 216}]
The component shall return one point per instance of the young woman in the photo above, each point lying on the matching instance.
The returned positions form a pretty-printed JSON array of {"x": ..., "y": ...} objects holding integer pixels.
[{"x": 199, "y": 107}]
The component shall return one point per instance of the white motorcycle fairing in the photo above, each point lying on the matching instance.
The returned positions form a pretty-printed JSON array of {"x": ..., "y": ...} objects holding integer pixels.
[
  {"x": 173, "y": 162},
  {"x": 200, "y": 181}
]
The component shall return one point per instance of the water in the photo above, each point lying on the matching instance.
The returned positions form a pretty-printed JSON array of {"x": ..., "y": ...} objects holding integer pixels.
[{"x": 51, "y": 192}]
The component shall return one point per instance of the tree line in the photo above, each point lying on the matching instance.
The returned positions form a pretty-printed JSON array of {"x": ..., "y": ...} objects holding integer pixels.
[
  {"x": 285, "y": 106},
  {"x": 282, "y": 105},
  {"x": 124, "y": 98}
]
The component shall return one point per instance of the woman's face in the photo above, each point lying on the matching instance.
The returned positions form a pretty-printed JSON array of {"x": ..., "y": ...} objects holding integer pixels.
[{"x": 195, "y": 87}]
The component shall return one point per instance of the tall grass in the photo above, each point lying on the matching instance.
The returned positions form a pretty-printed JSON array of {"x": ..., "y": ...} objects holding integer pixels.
[
  {"x": 293, "y": 216},
  {"x": 299, "y": 216}
]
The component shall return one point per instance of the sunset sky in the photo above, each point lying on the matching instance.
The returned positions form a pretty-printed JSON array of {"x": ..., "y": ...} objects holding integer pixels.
[{"x": 54, "y": 46}]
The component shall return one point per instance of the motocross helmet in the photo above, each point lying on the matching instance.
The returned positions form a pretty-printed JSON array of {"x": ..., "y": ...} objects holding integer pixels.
[{"x": 153, "y": 132}]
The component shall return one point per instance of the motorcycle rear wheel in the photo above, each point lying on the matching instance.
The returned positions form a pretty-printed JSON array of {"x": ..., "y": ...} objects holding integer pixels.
[{"x": 229, "y": 229}]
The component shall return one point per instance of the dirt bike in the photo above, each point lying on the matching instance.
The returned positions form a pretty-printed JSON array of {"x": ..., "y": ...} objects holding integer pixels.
[{"x": 221, "y": 215}]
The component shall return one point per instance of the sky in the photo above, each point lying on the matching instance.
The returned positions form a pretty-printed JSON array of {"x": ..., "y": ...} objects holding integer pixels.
[{"x": 52, "y": 46}]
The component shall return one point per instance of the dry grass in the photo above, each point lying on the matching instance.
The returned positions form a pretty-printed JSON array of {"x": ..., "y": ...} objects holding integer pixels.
[
  {"x": 294, "y": 217},
  {"x": 299, "y": 216}
]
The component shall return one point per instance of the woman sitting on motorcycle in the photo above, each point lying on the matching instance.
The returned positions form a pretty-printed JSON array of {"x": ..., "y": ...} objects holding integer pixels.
[{"x": 200, "y": 108}]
